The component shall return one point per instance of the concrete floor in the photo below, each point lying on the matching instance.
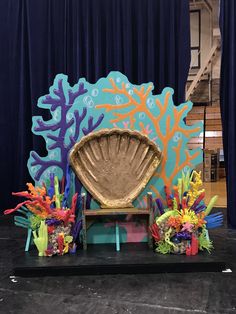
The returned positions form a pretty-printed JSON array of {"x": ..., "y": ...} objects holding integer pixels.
[{"x": 108, "y": 294}]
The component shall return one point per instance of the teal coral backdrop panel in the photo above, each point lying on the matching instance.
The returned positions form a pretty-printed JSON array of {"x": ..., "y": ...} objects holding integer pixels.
[{"x": 113, "y": 101}]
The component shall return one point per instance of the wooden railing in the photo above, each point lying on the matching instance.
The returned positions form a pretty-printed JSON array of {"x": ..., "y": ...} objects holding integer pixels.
[{"x": 203, "y": 70}]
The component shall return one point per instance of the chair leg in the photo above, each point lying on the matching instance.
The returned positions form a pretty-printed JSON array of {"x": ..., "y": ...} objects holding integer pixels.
[
  {"x": 117, "y": 237},
  {"x": 84, "y": 228},
  {"x": 84, "y": 232},
  {"x": 150, "y": 222}
]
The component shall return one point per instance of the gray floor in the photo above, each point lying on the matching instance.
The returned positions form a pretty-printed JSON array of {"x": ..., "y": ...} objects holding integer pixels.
[{"x": 108, "y": 294}]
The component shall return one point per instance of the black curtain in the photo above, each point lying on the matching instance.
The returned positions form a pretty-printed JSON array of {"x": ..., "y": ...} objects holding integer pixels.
[
  {"x": 148, "y": 40},
  {"x": 227, "y": 99}
]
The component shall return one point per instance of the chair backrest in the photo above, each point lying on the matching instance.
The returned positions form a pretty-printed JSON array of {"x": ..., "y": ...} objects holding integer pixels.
[{"x": 115, "y": 165}]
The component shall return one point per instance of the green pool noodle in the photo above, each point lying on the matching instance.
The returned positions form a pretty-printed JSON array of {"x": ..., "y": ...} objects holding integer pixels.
[
  {"x": 211, "y": 204},
  {"x": 166, "y": 215},
  {"x": 57, "y": 193},
  {"x": 180, "y": 183},
  {"x": 28, "y": 240}
]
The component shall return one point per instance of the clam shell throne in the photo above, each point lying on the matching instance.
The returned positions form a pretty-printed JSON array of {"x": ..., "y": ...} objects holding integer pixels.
[{"x": 115, "y": 165}]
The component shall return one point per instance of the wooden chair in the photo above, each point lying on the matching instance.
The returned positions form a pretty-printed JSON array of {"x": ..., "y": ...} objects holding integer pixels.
[
  {"x": 115, "y": 213},
  {"x": 115, "y": 165}
]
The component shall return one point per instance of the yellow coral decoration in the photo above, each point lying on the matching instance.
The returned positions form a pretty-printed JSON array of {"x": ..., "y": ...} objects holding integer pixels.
[
  {"x": 188, "y": 216},
  {"x": 195, "y": 186}
]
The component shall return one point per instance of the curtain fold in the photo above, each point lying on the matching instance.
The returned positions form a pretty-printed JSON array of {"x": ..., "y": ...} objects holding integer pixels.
[
  {"x": 147, "y": 40},
  {"x": 227, "y": 100}
]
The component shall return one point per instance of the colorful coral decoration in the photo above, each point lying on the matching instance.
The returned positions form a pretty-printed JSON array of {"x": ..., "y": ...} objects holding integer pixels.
[
  {"x": 49, "y": 217},
  {"x": 182, "y": 227}
]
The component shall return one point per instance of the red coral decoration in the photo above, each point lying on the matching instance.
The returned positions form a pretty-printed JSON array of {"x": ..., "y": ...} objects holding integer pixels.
[
  {"x": 60, "y": 241},
  {"x": 155, "y": 232}
]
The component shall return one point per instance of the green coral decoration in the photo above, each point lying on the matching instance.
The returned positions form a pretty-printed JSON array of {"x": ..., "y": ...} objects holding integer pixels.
[
  {"x": 41, "y": 238},
  {"x": 211, "y": 204},
  {"x": 204, "y": 241},
  {"x": 166, "y": 215},
  {"x": 163, "y": 247},
  {"x": 68, "y": 239},
  {"x": 35, "y": 222},
  {"x": 184, "y": 182}
]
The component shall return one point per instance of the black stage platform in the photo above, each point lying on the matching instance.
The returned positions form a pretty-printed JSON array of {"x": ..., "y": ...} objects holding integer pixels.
[
  {"x": 134, "y": 258},
  {"x": 198, "y": 291}
]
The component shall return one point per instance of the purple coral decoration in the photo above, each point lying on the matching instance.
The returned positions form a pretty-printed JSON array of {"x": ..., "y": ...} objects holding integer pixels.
[
  {"x": 92, "y": 126},
  {"x": 63, "y": 125},
  {"x": 76, "y": 230},
  {"x": 58, "y": 140}
]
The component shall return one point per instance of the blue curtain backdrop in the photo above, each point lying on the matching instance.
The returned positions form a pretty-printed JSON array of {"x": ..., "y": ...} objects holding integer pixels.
[
  {"x": 228, "y": 100},
  {"x": 148, "y": 40}
]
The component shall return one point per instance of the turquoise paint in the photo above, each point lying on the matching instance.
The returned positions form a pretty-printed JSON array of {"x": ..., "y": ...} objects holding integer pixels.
[{"x": 101, "y": 233}]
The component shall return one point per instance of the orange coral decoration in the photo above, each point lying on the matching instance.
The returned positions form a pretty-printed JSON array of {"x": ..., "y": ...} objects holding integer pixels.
[
  {"x": 174, "y": 222},
  {"x": 186, "y": 219},
  {"x": 35, "y": 191},
  {"x": 165, "y": 133},
  {"x": 39, "y": 203},
  {"x": 201, "y": 220}
]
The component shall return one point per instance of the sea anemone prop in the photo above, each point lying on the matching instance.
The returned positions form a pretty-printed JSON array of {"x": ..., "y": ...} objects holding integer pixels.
[{"x": 182, "y": 227}]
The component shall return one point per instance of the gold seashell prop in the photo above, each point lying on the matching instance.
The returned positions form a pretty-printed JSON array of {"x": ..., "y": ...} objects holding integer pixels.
[{"x": 115, "y": 165}]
